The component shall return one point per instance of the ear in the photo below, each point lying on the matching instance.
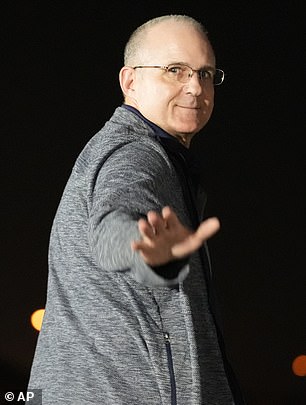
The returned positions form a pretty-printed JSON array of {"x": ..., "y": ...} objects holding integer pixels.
[{"x": 127, "y": 81}]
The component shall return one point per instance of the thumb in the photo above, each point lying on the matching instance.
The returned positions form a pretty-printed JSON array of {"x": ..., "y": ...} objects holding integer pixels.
[
  {"x": 208, "y": 228},
  {"x": 194, "y": 241}
]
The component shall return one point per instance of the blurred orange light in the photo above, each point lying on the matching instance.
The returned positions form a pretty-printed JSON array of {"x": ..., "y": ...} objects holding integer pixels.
[
  {"x": 299, "y": 366},
  {"x": 37, "y": 318}
]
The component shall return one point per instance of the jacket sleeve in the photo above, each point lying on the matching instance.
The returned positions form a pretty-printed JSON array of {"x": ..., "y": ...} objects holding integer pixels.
[{"x": 136, "y": 178}]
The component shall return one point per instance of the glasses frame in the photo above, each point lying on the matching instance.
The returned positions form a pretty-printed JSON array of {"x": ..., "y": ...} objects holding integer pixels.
[{"x": 190, "y": 74}]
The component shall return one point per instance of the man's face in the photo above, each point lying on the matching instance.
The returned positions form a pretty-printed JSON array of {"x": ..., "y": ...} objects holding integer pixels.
[{"x": 181, "y": 109}]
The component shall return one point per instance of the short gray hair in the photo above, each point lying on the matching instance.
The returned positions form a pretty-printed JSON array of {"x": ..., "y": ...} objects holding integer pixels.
[{"x": 135, "y": 41}]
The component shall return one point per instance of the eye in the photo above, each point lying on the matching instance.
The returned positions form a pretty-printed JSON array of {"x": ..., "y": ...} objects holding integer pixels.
[
  {"x": 175, "y": 70},
  {"x": 206, "y": 74}
]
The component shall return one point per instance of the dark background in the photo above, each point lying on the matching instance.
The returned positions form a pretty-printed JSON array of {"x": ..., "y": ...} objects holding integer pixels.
[{"x": 60, "y": 83}]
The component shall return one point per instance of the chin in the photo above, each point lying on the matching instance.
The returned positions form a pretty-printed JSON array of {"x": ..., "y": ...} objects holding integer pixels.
[
  {"x": 188, "y": 130},
  {"x": 190, "y": 127}
]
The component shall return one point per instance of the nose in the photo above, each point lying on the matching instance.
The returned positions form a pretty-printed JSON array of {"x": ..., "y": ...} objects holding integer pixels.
[{"x": 194, "y": 85}]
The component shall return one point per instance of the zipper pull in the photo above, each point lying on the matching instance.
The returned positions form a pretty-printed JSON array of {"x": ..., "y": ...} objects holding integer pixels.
[{"x": 167, "y": 337}]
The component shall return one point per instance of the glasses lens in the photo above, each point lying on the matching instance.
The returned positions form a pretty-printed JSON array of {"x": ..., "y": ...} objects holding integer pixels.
[
  {"x": 218, "y": 77},
  {"x": 180, "y": 73}
]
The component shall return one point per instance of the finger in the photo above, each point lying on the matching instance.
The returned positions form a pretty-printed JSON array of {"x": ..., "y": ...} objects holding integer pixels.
[
  {"x": 207, "y": 229},
  {"x": 187, "y": 247},
  {"x": 145, "y": 252},
  {"x": 156, "y": 221},
  {"x": 137, "y": 244},
  {"x": 145, "y": 229},
  {"x": 166, "y": 212},
  {"x": 170, "y": 218}
]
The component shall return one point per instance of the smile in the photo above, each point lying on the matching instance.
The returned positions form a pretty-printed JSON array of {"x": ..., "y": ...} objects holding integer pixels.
[{"x": 189, "y": 107}]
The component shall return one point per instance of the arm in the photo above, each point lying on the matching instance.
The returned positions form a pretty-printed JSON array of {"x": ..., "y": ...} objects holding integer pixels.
[{"x": 128, "y": 186}]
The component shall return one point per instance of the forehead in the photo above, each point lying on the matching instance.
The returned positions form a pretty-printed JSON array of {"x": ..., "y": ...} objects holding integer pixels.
[{"x": 170, "y": 42}]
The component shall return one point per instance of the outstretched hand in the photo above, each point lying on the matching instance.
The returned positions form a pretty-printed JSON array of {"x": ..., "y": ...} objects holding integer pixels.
[{"x": 165, "y": 238}]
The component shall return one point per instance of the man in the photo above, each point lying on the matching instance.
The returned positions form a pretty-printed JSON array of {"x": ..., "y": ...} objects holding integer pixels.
[{"x": 128, "y": 316}]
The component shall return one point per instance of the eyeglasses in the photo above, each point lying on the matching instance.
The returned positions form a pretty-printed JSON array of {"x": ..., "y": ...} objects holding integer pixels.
[{"x": 182, "y": 73}]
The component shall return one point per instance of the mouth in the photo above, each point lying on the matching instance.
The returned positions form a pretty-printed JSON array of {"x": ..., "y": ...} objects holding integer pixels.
[
  {"x": 187, "y": 107},
  {"x": 189, "y": 110}
]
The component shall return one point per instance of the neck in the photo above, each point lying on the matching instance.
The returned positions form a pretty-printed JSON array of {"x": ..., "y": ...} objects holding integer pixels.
[{"x": 183, "y": 139}]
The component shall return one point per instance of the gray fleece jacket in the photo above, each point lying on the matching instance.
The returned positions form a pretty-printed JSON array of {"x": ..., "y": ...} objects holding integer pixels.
[{"x": 115, "y": 331}]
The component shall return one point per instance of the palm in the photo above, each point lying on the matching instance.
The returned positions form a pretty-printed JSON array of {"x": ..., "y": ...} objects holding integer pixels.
[{"x": 164, "y": 238}]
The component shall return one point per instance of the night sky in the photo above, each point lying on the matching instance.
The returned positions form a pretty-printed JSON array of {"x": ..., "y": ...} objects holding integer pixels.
[{"x": 60, "y": 84}]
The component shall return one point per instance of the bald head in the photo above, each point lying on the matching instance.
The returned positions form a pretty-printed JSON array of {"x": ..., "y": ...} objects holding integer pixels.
[{"x": 139, "y": 43}]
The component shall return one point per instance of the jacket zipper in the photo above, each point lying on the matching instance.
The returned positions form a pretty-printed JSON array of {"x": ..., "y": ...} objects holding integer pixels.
[{"x": 171, "y": 368}]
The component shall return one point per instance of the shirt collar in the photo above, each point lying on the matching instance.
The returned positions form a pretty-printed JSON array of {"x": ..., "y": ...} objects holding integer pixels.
[
  {"x": 169, "y": 142},
  {"x": 164, "y": 137}
]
